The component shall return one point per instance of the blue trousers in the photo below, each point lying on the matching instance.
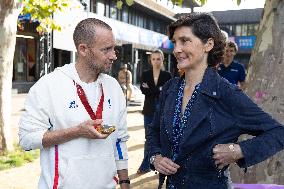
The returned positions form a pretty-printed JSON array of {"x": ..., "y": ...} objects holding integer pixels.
[{"x": 145, "y": 165}]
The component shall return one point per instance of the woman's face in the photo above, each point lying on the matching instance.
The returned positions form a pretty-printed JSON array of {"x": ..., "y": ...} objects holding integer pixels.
[
  {"x": 189, "y": 50},
  {"x": 156, "y": 60}
]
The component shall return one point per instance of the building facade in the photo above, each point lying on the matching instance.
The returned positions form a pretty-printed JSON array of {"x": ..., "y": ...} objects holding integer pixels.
[
  {"x": 33, "y": 55},
  {"x": 138, "y": 29},
  {"x": 242, "y": 27}
]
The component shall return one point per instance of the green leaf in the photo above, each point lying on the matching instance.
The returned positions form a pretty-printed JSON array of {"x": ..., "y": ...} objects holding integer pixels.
[
  {"x": 202, "y": 2},
  {"x": 119, "y": 4},
  {"x": 42, "y": 10},
  {"x": 239, "y": 2},
  {"x": 129, "y": 2}
]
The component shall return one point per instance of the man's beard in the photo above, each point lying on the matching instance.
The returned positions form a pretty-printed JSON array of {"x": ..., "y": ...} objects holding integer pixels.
[
  {"x": 94, "y": 66},
  {"x": 98, "y": 68}
]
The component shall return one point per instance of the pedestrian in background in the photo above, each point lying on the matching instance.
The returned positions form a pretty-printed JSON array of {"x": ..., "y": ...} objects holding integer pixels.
[
  {"x": 65, "y": 114},
  {"x": 125, "y": 81},
  {"x": 151, "y": 84},
  {"x": 230, "y": 69},
  {"x": 194, "y": 135}
]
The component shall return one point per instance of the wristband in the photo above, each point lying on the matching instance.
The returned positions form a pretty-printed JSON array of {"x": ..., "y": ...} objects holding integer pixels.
[{"x": 126, "y": 181}]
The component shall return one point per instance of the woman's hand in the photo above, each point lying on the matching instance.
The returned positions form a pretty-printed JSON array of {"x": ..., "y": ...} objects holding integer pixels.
[
  {"x": 145, "y": 85},
  {"x": 165, "y": 165},
  {"x": 225, "y": 154}
]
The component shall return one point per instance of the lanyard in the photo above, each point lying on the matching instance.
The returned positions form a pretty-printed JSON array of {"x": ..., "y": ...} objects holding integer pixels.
[{"x": 86, "y": 104}]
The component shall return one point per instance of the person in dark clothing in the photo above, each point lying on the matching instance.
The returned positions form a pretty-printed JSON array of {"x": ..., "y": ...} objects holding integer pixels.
[
  {"x": 194, "y": 135},
  {"x": 230, "y": 69},
  {"x": 151, "y": 85}
]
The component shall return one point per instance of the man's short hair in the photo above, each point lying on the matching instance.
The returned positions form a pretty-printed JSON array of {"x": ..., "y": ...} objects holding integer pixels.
[
  {"x": 232, "y": 44},
  {"x": 85, "y": 31}
]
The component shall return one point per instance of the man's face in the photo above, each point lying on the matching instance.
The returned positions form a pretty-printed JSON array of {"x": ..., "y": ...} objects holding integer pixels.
[
  {"x": 101, "y": 54},
  {"x": 229, "y": 54}
]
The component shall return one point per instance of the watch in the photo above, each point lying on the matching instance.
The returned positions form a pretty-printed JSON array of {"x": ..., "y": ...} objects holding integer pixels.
[{"x": 152, "y": 159}]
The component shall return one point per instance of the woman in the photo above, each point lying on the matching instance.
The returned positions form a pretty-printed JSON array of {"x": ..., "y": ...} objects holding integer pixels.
[
  {"x": 151, "y": 85},
  {"x": 193, "y": 137}
]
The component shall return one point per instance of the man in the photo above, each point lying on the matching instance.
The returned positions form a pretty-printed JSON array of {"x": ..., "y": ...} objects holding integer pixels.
[
  {"x": 231, "y": 70},
  {"x": 65, "y": 111},
  {"x": 125, "y": 81}
]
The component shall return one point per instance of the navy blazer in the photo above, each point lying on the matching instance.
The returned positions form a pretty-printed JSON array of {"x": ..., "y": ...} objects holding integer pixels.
[
  {"x": 152, "y": 93},
  {"x": 220, "y": 114}
]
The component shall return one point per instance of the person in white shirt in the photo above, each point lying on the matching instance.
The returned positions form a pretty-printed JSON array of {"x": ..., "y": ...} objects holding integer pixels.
[{"x": 66, "y": 110}]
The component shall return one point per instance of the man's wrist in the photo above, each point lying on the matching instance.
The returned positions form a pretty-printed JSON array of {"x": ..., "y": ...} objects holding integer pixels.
[{"x": 124, "y": 181}]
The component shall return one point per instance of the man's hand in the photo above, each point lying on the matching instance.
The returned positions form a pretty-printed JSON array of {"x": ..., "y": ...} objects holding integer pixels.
[
  {"x": 87, "y": 129},
  {"x": 165, "y": 165},
  {"x": 125, "y": 186},
  {"x": 225, "y": 154}
]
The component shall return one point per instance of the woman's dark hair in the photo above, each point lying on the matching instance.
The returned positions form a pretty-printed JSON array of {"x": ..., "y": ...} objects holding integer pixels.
[{"x": 204, "y": 26}]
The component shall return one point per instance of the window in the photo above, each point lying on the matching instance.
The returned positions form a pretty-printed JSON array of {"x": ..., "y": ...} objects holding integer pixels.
[
  {"x": 100, "y": 8},
  {"x": 251, "y": 29},
  {"x": 157, "y": 27},
  {"x": 151, "y": 25},
  {"x": 244, "y": 30},
  {"x": 107, "y": 9},
  {"x": 113, "y": 10},
  {"x": 125, "y": 14},
  {"x": 140, "y": 21},
  {"x": 24, "y": 68},
  {"x": 93, "y": 5},
  {"x": 238, "y": 30}
]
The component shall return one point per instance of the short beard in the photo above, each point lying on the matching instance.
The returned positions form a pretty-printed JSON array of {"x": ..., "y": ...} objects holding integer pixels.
[{"x": 96, "y": 69}]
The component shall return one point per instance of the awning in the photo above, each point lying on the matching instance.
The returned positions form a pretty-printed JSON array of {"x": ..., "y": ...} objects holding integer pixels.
[{"x": 123, "y": 32}]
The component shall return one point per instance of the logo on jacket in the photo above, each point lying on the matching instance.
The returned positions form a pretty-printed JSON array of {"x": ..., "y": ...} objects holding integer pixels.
[
  {"x": 234, "y": 70},
  {"x": 109, "y": 104},
  {"x": 73, "y": 104}
]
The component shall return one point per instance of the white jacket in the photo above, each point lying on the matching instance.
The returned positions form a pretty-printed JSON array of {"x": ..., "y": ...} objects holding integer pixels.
[{"x": 53, "y": 103}]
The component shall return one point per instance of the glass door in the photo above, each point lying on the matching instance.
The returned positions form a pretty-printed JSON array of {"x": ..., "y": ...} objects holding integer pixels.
[{"x": 24, "y": 65}]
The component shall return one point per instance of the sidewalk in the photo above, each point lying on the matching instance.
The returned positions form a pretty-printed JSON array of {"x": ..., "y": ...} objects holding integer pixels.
[{"x": 26, "y": 177}]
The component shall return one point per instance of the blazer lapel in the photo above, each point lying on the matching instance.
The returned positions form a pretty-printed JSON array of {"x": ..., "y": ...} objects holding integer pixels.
[
  {"x": 150, "y": 78},
  {"x": 160, "y": 78}
]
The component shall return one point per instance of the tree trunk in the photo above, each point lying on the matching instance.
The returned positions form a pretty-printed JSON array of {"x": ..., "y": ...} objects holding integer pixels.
[
  {"x": 8, "y": 28},
  {"x": 265, "y": 86}
]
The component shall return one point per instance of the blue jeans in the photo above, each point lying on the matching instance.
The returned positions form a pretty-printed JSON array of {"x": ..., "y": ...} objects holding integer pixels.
[{"x": 145, "y": 165}]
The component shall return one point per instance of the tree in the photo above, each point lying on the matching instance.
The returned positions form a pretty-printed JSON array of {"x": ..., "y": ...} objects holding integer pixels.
[
  {"x": 9, "y": 11},
  {"x": 265, "y": 77},
  {"x": 40, "y": 10}
]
